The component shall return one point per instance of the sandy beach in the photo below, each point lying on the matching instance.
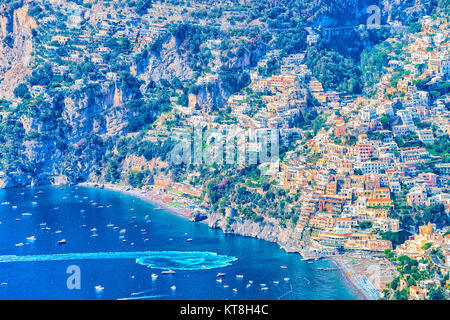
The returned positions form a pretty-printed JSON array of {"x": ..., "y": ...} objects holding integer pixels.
[
  {"x": 367, "y": 274},
  {"x": 141, "y": 194}
]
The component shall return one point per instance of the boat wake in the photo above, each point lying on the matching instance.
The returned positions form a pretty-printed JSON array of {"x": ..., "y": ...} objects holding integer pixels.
[{"x": 179, "y": 260}]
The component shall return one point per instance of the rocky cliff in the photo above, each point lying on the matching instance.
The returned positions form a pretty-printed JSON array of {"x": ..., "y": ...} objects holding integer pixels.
[
  {"x": 16, "y": 47},
  {"x": 288, "y": 238}
]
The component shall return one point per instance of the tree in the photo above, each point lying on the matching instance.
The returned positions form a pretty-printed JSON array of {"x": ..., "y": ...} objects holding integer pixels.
[{"x": 21, "y": 91}]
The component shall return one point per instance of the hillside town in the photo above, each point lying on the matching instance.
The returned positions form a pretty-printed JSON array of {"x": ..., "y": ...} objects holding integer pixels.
[{"x": 361, "y": 179}]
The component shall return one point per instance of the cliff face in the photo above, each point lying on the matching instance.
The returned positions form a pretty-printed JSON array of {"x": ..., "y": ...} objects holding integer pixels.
[
  {"x": 287, "y": 238},
  {"x": 70, "y": 153},
  {"x": 16, "y": 47},
  {"x": 166, "y": 64}
]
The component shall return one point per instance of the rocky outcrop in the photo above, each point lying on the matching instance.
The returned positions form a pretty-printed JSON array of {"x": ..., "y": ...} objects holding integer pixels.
[
  {"x": 16, "y": 47},
  {"x": 289, "y": 239},
  {"x": 165, "y": 63}
]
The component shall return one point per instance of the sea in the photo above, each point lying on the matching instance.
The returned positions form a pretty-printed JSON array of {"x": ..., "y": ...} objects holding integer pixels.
[{"x": 86, "y": 243}]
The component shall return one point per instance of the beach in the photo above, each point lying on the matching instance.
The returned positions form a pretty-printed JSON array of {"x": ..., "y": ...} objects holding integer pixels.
[
  {"x": 369, "y": 275},
  {"x": 143, "y": 195}
]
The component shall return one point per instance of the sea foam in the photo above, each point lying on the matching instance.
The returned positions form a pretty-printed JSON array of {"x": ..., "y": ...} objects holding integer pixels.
[{"x": 177, "y": 260}]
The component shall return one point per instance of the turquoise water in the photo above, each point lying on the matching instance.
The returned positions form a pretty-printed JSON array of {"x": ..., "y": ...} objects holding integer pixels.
[{"x": 117, "y": 242}]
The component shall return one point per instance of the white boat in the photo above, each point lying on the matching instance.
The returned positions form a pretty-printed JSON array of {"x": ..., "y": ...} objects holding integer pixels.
[
  {"x": 264, "y": 288},
  {"x": 219, "y": 280},
  {"x": 32, "y": 238},
  {"x": 14, "y": 207},
  {"x": 221, "y": 274},
  {"x": 123, "y": 231},
  {"x": 248, "y": 285},
  {"x": 5, "y": 203},
  {"x": 154, "y": 276},
  {"x": 99, "y": 288},
  {"x": 110, "y": 225},
  {"x": 239, "y": 276},
  {"x": 188, "y": 240},
  {"x": 234, "y": 290},
  {"x": 26, "y": 214},
  {"x": 94, "y": 229},
  {"x": 167, "y": 272},
  {"x": 62, "y": 241},
  {"x": 276, "y": 282},
  {"x": 173, "y": 287},
  {"x": 58, "y": 231},
  {"x": 20, "y": 244},
  {"x": 286, "y": 279}
]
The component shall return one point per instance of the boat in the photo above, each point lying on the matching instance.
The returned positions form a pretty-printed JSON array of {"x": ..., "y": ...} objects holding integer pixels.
[
  {"x": 154, "y": 276},
  {"x": 20, "y": 244},
  {"x": 168, "y": 272},
  {"x": 62, "y": 241},
  {"x": 283, "y": 267},
  {"x": 26, "y": 214},
  {"x": 32, "y": 238},
  {"x": 99, "y": 288},
  {"x": 276, "y": 282},
  {"x": 188, "y": 240},
  {"x": 239, "y": 276},
  {"x": 286, "y": 279},
  {"x": 234, "y": 290},
  {"x": 94, "y": 229},
  {"x": 248, "y": 285},
  {"x": 110, "y": 225},
  {"x": 58, "y": 231},
  {"x": 14, "y": 207},
  {"x": 264, "y": 288},
  {"x": 219, "y": 280},
  {"x": 5, "y": 203},
  {"x": 173, "y": 287},
  {"x": 221, "y": 274}
]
